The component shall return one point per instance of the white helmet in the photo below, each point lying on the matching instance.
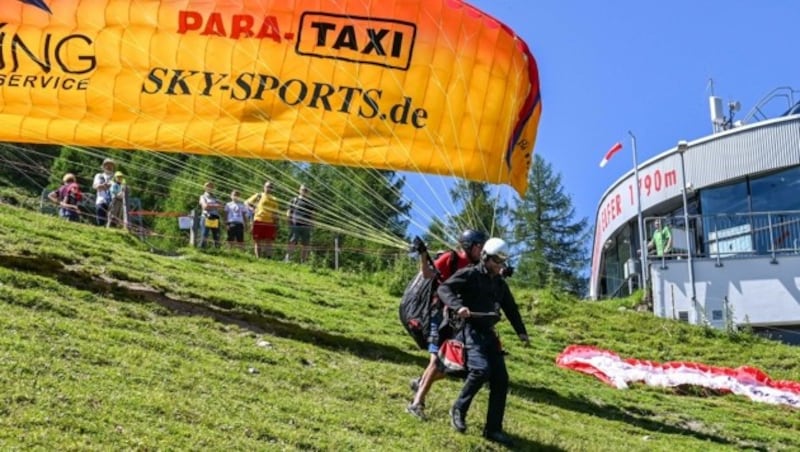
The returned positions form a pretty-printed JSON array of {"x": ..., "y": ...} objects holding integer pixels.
[{"x": 495, "y": 247}]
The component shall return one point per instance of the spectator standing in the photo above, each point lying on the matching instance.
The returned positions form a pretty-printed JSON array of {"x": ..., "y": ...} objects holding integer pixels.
[
  {"x": 482, "y": 289},
  {"x": 662, "y": 239},
  {"x": 210, "y": 217},
  {"x": 301, "y": 216},
  {"x": 101, "y": 183},
  {"x": 67, "y": 197},
  {"x": 118, "y": 211},
  {"x": 235, "y": 220},
  {"x": 265, "y": 220}
]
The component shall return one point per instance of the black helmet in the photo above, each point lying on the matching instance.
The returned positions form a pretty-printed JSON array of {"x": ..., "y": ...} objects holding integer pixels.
[{"x": 471, "y": 237}]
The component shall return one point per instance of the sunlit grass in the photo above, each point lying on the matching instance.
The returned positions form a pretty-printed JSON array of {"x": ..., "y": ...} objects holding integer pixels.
[{"x": 106, "y": 345}]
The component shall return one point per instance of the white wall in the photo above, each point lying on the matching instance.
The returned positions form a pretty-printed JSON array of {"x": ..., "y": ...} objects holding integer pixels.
[{"x": 758, "y": 291}]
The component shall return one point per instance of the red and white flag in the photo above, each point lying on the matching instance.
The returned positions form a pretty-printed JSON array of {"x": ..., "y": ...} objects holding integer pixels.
[{"x": 614, "y": 149}]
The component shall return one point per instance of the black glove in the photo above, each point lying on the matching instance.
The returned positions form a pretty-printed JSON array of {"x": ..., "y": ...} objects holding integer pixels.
[
  {"x": 507, "y": 272},
  {"x": 418, "y": 245}
]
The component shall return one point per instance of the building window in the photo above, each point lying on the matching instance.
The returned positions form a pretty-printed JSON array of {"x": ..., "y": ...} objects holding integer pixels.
[
  {"x": 753, "y": 215},
  {"x": 727, "y": 199},
  {"x": 727, "y": 227},
  {"x": 683, "y": 316},
  {"x": 615, "y": 255},
  {"x": 776, "y": 192}
]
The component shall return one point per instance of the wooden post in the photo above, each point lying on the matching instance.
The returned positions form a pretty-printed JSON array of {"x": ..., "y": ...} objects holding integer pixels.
[
  {"x": 336, "y": 252},
  {"x": 192, "y": 236}
]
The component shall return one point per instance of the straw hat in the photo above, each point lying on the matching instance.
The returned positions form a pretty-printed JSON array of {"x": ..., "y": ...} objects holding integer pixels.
[{"x": 108, "y": 162}]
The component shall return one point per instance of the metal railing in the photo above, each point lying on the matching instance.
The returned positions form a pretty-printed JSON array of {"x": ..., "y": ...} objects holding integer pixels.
[{"x": 730, "y": 236}]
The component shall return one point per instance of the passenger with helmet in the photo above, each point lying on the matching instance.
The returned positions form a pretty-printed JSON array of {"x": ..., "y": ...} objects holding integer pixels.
[
  {"x": 482, "y": 289},
  {"x": 471, "y": 243}
]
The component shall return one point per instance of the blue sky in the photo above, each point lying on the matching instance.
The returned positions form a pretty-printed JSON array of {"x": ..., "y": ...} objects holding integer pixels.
[{"x": 644, "y": 66}]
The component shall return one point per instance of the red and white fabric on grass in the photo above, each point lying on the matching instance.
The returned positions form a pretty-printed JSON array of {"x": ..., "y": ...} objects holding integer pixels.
[{"x": 617, "y": 372}]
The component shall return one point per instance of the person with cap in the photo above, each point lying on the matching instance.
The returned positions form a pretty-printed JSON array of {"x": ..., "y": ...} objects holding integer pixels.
[
  {"x": 265, "y": 220},
  {"x": 210, "y": 218},
  {"x": 101, "y": 183},
  {"x": 471, "y": 243},
  {"x": 67, "y": 197},
  {"x": 482, "y": 289},
  {"x": 118, "y": 211}
]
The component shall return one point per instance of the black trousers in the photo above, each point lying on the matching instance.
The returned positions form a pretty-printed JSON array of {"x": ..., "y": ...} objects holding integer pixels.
[{"x": 485, "y": 362}]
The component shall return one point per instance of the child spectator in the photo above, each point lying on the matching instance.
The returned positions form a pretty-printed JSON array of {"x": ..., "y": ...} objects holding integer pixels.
[
  {"x": 118, "y": 212},
  {"x": 67, "y": 197}
]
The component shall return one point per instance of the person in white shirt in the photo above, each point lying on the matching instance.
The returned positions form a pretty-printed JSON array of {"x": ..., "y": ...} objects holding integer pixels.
[
  {"x": 236, "y": 213},
  {"x": 101, "y": 183}
]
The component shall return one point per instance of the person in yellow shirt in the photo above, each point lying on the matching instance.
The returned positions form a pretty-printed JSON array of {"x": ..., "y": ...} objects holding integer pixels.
[{"x": 265, "y": 220}]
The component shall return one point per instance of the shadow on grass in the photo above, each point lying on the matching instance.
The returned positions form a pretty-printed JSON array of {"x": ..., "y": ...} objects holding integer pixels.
[
  {"x": 616, "y": 413},
  {"x": 263, "y": 321},
  {"x": 524, "y": 444}
]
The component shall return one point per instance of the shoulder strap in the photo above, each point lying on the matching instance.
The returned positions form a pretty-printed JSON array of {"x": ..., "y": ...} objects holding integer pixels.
[{"x": 453, "y": 262}]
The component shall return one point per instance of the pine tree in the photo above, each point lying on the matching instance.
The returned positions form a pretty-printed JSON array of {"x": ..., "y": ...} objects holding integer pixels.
[
  {"x": 546, "y": 234},
  {"x": 436, "y": 236},
  {"x": 26, "y": 166},
  {"x": 362, "y": 208},
  {"x": 83, "y": 163},
  {"x": 479, "y": 209},
  {"x": 148, "y": 175}
]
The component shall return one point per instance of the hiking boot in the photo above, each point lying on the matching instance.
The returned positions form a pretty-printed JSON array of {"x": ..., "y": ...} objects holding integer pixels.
[
  {"x": 498, "y": 437},
  {"x": 418, "y": 411},
  {"x": 457, "y": 420},
  {"x": 414, "y": 384}
]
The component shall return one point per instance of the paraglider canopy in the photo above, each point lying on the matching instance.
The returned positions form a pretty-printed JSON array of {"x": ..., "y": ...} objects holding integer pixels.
[{"x": 431, "y": 86}]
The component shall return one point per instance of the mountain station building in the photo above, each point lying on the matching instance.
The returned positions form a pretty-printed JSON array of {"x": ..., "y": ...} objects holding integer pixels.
[{"x": 731, "y": 201}]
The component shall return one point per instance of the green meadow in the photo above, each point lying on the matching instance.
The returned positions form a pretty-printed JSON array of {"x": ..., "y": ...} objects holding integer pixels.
[{"x": 109, "y": 344}]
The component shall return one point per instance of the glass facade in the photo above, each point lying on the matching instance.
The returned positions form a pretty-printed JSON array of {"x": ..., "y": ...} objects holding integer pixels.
[
  {"x": 775, "y": 192},
  {"x": 726, "y": 230},
  {"x": 616, "y": 253},
  {"x": 753, "y": 215}
]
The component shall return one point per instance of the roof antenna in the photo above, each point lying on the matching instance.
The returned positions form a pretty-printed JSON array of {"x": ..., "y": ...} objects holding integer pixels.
[
  {"x": 715, "y": 107},
  {"x": 719, "y": 121}
]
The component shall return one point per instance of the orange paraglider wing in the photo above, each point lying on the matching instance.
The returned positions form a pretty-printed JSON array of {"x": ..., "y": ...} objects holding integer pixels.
[{"x": 431, "y": 86}]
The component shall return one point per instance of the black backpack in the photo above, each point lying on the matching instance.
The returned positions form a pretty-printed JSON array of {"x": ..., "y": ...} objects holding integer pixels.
[{"x": 415, "y": 306}]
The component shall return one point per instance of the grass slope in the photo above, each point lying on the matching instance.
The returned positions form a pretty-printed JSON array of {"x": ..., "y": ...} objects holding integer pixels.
[{"x": 108, "y": 345}]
